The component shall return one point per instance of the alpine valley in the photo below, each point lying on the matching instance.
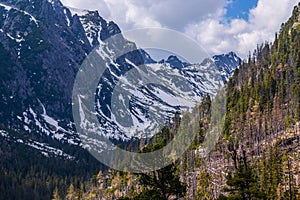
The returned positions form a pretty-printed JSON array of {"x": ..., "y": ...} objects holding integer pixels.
[
  {"x": 42, "y": 46},
  {"x": 257, "y": 155}
]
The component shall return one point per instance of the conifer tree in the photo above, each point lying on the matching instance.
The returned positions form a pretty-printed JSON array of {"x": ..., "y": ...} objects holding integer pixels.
[{"x": 243, "y": 183}]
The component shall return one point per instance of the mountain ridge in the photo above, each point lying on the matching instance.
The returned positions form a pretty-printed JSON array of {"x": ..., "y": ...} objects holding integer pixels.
[
  {"x": 257, "y": 155},
  {"x": 42, "y": 46},
  {"x": 96, "y": 30}
]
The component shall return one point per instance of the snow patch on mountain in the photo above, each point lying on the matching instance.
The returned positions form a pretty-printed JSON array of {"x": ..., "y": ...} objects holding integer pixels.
[
  {"x": 155, "y": 92},
  {"x": 4, "y": 133},
  {"x": 8, "y": 8},
  {"x": 47, "y": 125},
  {"x": 77, "y": 11},
  {"x": 162, "y": 89},
  {"x": 43, "y": 148}
]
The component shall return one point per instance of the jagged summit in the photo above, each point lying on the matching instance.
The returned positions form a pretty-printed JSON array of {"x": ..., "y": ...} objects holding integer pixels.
[
  {"x": 97, "y": 29},
  {"x": 40, "y": 61},
  {"x": 225, "y": 63},
  {"x": 175, "y": 62}
]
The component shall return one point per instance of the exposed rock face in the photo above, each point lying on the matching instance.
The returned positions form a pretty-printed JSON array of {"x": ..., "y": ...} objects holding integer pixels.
[{"x": 42, "y": 45}]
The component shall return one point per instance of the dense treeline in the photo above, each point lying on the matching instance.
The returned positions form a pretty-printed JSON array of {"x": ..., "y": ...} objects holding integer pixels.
[
  {"x": 27, "y": 174},
  {"x": 262, "y": 119}
]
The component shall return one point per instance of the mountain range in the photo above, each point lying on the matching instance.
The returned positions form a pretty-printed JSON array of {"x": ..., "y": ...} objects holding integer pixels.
[
  {"x": 43, "y": 45},
  {"x": 257, "y": 154}
]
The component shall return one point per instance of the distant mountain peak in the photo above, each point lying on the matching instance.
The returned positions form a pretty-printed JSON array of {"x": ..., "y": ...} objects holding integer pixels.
[
  {"x": 173, "y": 58},
  {"x": 56, "y": 2},
  {"x": 175, "y": 62},
  {"x": 50, "y": 55},
  {"x": 97, "y": 29},
  {"x": 225, "y": 63},
  {"x": 230, "y": 54}
]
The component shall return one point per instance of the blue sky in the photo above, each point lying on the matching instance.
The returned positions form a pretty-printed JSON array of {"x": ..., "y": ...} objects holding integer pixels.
[
  {"x": 220, "y": 26},
  {"x": 240, "y": 9}
]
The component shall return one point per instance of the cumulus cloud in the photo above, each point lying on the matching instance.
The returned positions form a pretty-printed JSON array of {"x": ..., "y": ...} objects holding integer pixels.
[
  {"x": 239, "y": 35},
  {"x": 174, "y": 14},
  {"x": 203, "y": 20},
  {"x": 99, "y": 5}
]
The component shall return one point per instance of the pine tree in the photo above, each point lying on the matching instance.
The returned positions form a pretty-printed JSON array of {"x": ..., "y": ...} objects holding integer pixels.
[
  {"x": 243, "y": 183},
  {"x": 165, "y": 181}
]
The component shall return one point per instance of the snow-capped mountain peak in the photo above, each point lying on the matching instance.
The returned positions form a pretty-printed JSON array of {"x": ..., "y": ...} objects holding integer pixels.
[{"x": 40, "y": 61}]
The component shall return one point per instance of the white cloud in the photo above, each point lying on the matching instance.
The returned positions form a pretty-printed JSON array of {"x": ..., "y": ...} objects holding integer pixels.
[
  {"x": 239, "y": 35},
  {"x": 89, "y": 5},
  {"x": 203, "y": 20},
  {"x": 174, "y": 14}
]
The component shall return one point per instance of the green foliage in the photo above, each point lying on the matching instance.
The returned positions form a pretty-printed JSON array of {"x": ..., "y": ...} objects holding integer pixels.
[
  {"x": 125, "y": 198},
  {"x": 263, "y": 99},
  {"x": 149, "y": 194},
  {"x": 271, "y": 172},
  {"x": 204, "y": 186},
  {"x": 271, "y": 76},
  {"x": 289, "y": 121},
  {"x": 164, "y": 181},
  {"x": 243, "y": 184},
  {"x": 146, "y": 194}
]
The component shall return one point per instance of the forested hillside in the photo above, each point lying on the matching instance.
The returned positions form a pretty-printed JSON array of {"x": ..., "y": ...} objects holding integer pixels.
[{"x": 258, "y": 156}]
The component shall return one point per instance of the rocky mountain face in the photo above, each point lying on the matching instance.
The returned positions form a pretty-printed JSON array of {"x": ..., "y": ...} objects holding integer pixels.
[
  {"x": 42, "y": 45},
  {"x": 43, "y": 52},
  {"x": 174, "y": 86}
]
